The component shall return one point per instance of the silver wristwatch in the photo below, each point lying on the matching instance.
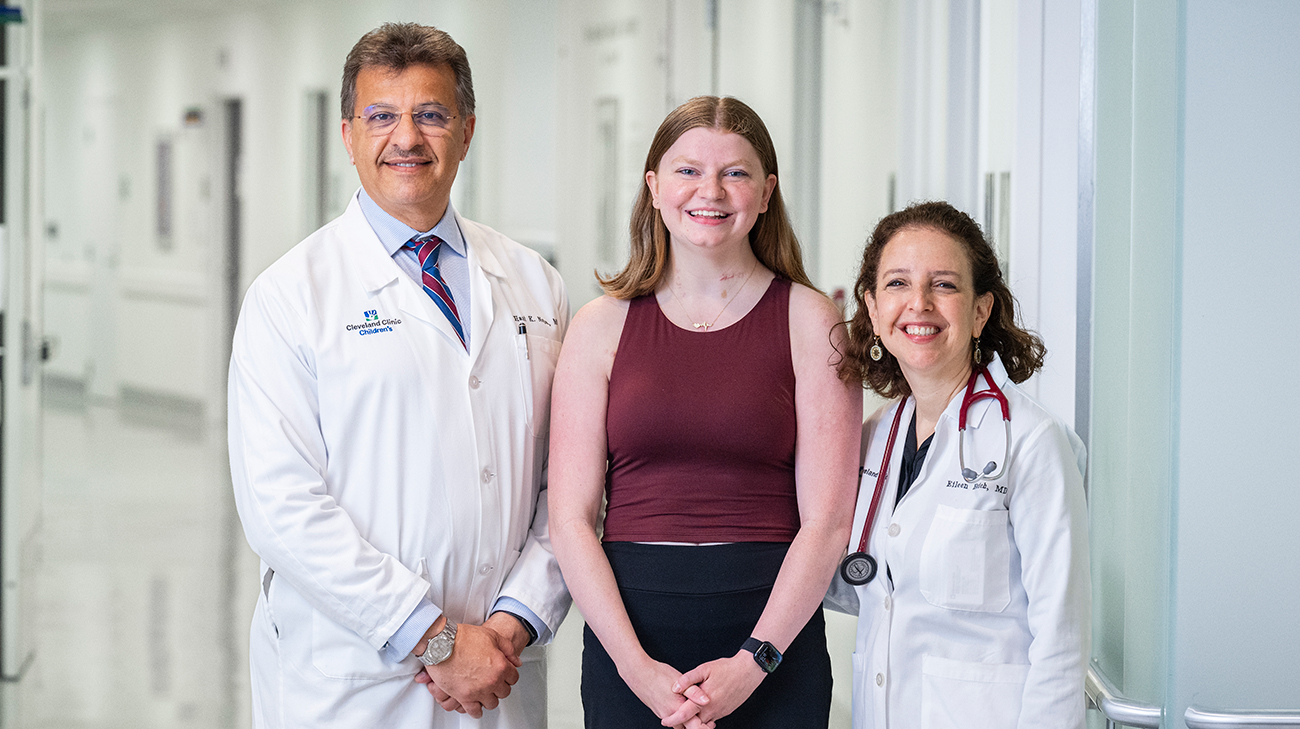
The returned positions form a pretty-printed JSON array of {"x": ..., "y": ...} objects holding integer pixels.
[{"x": 440, "y": 645}]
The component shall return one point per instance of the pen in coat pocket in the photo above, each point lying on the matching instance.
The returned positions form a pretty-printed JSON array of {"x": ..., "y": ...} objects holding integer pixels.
[{"x": 523, "y": 332}]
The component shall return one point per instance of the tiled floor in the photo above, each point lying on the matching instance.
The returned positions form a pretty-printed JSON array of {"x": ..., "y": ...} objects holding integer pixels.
[
  {"x": 147, "y": 585},
  {"x": 139, "y": 611}
]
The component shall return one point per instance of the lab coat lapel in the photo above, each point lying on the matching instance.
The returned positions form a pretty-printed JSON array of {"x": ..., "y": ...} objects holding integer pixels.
[
  {"x": 878, "y": 545},
  {"x": 372, "y": 264},
  {"x": 484, "y": 272},
  {"x": 415, "y": 302},
  {"x": 890, "y": 498},
  {"x": 377, "y": 270}
]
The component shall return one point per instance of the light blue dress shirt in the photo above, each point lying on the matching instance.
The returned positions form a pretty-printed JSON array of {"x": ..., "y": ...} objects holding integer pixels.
[
  {"x": 453, "y": 264},
  {"x": 452, "y": 261}
]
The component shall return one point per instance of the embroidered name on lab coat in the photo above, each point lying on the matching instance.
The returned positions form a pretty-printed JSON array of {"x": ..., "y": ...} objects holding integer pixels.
[
  {"x": 549, "y": 321},
  {"x": 977, "y": 486}
]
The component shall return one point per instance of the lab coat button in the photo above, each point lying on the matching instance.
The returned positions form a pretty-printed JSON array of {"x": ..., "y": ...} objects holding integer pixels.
[
  {"x": 483, "y": 570},
  {"x": 889, "y": 603},
  {"x": 880, "y": 679},
  {"x": 474, "y": 382},
  {"x": 894, "y": 529},
  {"x": 488, "y": 475}
]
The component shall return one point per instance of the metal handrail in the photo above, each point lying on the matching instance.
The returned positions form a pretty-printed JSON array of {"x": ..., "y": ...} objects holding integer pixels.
[
  {"x": 1116, "y": 707},
  {"x": 1198, "y": 718}
]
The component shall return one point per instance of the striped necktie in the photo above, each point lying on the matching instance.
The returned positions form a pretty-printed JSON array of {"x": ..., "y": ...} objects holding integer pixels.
[{"x": 427, "y": 249}]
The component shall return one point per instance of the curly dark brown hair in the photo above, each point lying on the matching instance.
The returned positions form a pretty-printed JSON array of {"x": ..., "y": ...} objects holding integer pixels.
[{"x": 1021, "y": 350}]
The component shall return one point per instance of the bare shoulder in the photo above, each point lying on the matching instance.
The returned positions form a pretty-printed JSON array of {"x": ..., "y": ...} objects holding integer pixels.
[
  {"x": 594, "y": 333},
  {"x": 813, "y": 319},
  {"x": 600, "y": 318},
  {"x": 809, "y": 307}
]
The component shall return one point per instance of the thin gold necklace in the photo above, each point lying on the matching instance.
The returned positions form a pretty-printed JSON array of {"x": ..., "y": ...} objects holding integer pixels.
[{"x": 706, "y": 324}]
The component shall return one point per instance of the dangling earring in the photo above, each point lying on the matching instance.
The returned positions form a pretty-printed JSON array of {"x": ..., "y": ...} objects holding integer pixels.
[
  {"x": 876, "y": 351},
  {"x": 978, "y": 356}
]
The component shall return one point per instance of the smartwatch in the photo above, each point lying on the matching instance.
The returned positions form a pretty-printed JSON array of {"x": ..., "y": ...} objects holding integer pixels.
[
  {"x": 440, "y": 645},
  {"x": 765, "y": 654}
]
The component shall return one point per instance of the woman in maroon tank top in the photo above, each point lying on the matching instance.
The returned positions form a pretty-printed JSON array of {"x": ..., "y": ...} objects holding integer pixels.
[{"x": 700, "y": 398}]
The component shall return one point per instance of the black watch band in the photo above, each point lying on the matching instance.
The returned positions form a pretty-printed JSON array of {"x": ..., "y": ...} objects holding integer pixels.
[
  {"x": 532, "y": 632},
  {"x": 765, "y": 654}
]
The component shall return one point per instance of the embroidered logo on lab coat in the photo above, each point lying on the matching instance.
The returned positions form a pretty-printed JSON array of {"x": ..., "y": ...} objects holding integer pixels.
[{"x": 373, "y": 324}]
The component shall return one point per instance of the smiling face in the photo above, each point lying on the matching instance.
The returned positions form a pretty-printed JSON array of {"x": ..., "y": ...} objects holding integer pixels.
[
  {"x": 710, "y": 188},
  {"x": 924, "y": 307},
  {"x": 406, "y": 171}
]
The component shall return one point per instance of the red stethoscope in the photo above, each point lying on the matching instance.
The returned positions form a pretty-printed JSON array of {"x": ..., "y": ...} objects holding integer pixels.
[{"x": 859, "y": 568}]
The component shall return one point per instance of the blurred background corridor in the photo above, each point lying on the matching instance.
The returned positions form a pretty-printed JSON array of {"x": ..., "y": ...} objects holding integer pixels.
[{"x": 1134, "y": 162}]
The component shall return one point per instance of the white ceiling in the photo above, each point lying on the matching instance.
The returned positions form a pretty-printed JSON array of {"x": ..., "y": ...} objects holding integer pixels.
[{"x": 82, "y": 14}]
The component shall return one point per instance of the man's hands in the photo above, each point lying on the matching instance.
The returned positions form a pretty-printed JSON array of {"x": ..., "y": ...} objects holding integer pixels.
[
  {"x": 482, "y": 667},
  {"x": 508, "y": 626}
]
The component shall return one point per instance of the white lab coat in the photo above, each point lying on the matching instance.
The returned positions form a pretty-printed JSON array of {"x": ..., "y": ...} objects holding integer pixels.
[
  {"x": 376, "y": 462},
  {"x": 986, "y": 623}
]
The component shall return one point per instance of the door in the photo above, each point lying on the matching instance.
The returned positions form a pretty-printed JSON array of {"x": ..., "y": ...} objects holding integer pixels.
[{"x": 20, "y": 361}]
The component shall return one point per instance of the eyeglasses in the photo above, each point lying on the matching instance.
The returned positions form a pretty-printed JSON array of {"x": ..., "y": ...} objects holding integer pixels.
[{"x": 380, "y": 120}]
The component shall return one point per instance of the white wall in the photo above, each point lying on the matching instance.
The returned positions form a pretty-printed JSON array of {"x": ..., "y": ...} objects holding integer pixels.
[
  {"x": 1237, "y": 642},
  {"x": 997, "y": 121},
  {"x": 860, "y": 132},
  {"x": 1045, "y": 190},
  {"x": 615, "y": 84}
]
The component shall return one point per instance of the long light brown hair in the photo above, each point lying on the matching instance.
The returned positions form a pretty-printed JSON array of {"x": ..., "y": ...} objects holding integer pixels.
[
  {"x": 1020, "y": 350},
  {"x": 771, "y": 238}
]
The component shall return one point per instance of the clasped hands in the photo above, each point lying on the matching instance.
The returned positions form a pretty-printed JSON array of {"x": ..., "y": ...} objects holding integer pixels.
[
  {"x": 483, "y": 665},
  {"x": 485, "y": 661},
  {"x": 698, "y": 698}
]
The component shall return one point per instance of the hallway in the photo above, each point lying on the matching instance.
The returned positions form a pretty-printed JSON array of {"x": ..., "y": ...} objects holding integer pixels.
[
  {"x": 147, "y": 586},
  {"x": 145, "y": 578},
  {"x": 1122, "y": 155}
]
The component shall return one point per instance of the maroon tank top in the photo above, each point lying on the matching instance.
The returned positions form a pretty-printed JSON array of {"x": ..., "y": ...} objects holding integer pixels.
[{"x": 701, "y": 428}]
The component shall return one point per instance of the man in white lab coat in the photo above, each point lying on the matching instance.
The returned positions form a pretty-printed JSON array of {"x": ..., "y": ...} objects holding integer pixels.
[{"x": 389, "y": 401}]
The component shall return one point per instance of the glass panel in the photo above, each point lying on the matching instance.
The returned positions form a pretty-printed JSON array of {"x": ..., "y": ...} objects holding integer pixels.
[{"x": 1131, "y": 438}]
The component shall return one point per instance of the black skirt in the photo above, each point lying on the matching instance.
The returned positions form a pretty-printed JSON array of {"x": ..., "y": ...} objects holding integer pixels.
[{"x": 690, "y": 605}]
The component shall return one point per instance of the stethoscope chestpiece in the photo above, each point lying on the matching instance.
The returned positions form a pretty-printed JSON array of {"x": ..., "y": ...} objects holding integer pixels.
[{"x": 858, "y": 568}]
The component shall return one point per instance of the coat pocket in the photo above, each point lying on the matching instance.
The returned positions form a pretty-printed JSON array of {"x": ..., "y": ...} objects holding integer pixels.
[
  {"x": 961, "y": 694},
  {"x": 267, "y": 577},
  {"x": 537, "y": 356},
  {"x": 966, "y": 560},
  {"x": 337, "y": 652}
]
